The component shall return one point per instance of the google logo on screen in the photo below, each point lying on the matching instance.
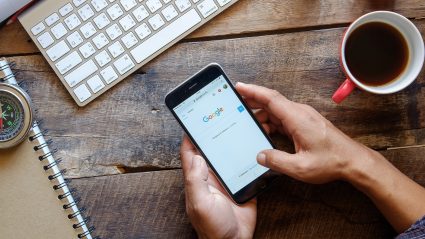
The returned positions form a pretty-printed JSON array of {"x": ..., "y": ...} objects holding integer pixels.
[{"x": 214, "y": 115}]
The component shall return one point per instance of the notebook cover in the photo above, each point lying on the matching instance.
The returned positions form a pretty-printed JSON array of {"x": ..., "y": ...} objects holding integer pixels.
[{"x": 29, "y": 206}]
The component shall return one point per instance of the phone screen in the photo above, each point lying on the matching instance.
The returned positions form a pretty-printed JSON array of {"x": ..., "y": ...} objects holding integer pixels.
[{"x": 225, "y": 132}]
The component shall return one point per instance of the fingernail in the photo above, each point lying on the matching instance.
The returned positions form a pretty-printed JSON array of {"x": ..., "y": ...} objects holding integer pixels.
[
  {"x": 261, "y": 158},
  {"x": 240, "y": 83},
  {"x": 196, "y": 161}
]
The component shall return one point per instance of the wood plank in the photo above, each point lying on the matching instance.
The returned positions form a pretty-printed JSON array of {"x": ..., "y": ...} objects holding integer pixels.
[
  {"x": 252, "y": 16},
  {"x": 130, "y": 128},
  {"x": 151, "y": 205}
]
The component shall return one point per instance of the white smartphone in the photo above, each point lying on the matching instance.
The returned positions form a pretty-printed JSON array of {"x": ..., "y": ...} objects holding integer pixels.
[{"x": 224, "y": 130}]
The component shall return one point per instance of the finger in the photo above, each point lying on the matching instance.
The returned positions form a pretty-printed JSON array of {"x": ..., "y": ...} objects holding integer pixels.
[
  {"x": 187, "y": 145},
  {"x": 272, "y": 128},
  {"x": 278, "y": 106},
  {"x": 213, "y": 181},
  {"x": 262, "y": 116},
  {"x": 196, "y": 180},
  {"x": 279, "y": 161},
  {"x": 253, "y": 104},
  {"x": 260, "y": 94},
  {"x": 266, "y": 128},
  {"x": 187, "y": 152}
]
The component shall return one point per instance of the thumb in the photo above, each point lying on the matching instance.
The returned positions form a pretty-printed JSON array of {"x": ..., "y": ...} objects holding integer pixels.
[
  {"x": 196, "y": 178},
  {"x": 278, "y": 161}
]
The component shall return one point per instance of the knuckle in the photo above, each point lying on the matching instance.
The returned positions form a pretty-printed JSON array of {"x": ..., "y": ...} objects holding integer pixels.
[
  {"x": 274, "y": 95},
  {"x": 304, "y": 167},
  {"x": 309, "y": 108},
  {"x": 272, "y": 161},
  {"x": 189, "y": 180}
]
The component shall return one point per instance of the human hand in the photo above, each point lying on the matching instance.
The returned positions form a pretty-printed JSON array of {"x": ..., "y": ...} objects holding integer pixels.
[
  {"x": 212, "y": 213},
  {"x": 323, "y": 152}
]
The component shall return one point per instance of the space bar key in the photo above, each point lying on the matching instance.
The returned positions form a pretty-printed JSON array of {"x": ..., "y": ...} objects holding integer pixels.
[{"x": 165, "y": 36}]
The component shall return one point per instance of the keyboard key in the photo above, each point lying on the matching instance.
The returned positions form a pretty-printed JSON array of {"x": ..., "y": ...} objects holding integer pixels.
[
  {"x": 92, "y": 44},
  {"x": 114, "y": 31},
  {"x": 87, "y": 50},
  {"x": 115, "y": 12},
  {"x": 223, "y": 2},
  {"x": 153, "y": 5},
  {"x": 74, "y": 39},
  {"x": 109, "y": 75},
  {"x": 81, "y": 73},
  {"x": 116, "y": 49},
  {"x": 127, "y": 22},
  {"x": 166, "y": 35},
  {"x": 45, "y": 40},
  {"x": 129, "y": 40},
  {"x": 77, "y": 3},
  {"x": 59, "y": 31},
  {"x": 143, "y": 31},
  {"x": 50, "y": 20},
  {"x": 124, "y": 64},
  {"x": 37, "y": 29},
  {"x": 100, "y": 41},
  {"x": 88, "y": 30},
  {"x": 156, "y": 22},
  {"x": 82, "y": 93},
  {"x": 85, "y": 12},
  {"x": 183, "y": 5},
  {"x": 207, "y": 8},
  {"x": 95, "y": 84},
  {"x": 140, "y": 13},
  {"x": 72, "y": 22},
  {"x": 65, "y": 10},
  {"x": 58, "y": 50},
  {"x": 69, "y": 62},
  {"x": 99, "y": 4},
  {"x": 169, "y": 13},
  {"x": 128, "y": 4},
  {"x": 101, "y": 21},
  {"x": 103, "y": 58}
]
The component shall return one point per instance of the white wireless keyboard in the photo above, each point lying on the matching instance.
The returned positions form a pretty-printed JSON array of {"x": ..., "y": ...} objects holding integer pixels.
[{"x": 94, "y": 44}]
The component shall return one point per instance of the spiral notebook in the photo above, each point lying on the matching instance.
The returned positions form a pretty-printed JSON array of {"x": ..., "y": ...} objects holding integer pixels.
[{"x": 35, "y": 201}]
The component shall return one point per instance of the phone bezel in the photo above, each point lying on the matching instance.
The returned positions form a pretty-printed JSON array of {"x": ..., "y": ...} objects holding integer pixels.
[{"x": 190, "y": 87}]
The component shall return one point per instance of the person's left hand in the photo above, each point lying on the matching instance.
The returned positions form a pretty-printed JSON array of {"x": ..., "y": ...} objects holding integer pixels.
[{"x": 212, "y": 213}]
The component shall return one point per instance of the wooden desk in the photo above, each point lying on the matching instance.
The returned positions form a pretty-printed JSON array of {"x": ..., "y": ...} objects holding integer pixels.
[{"x": 122, "y": 149}]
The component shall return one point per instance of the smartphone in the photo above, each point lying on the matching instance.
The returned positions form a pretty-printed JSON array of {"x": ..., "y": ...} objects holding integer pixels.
[{"x": 224, "y": 130}]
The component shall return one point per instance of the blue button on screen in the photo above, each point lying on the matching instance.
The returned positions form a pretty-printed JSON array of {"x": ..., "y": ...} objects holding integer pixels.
[{"x": 241, "y": 108}]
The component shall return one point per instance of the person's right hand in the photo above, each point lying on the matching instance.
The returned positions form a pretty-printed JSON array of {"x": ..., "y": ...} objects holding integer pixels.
[{"x": 323, "y": 152}]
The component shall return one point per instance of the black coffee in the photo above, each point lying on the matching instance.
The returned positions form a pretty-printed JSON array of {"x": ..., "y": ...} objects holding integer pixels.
[{"x": 376, "y": 53}]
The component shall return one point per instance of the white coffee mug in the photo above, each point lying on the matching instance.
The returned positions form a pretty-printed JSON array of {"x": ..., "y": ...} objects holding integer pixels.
[{"x": 415, "y": 62}]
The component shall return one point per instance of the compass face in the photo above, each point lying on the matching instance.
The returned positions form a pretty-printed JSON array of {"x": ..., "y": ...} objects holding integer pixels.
[{"x": 12, "y": 116}]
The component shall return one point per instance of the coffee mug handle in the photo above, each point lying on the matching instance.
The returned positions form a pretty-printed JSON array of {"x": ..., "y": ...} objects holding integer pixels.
[{"x": 343, "y": 91}]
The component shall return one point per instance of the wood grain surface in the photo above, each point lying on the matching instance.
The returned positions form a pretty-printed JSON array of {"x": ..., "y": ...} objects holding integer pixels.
[
  {"x": 151, "y": 205},
  {"x": 129, "y": 127},
  {"x": 253, "y": 17},
  {"x": 122, "y": 149}
]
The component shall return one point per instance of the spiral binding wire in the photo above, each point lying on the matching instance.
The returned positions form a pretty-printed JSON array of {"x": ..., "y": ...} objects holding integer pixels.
[
  {"x": 38, "y": 135},
  {"x": 50, "y": 165},
  {"x": 10, "y": 76},
  {"x": 61, "y": 185}
]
